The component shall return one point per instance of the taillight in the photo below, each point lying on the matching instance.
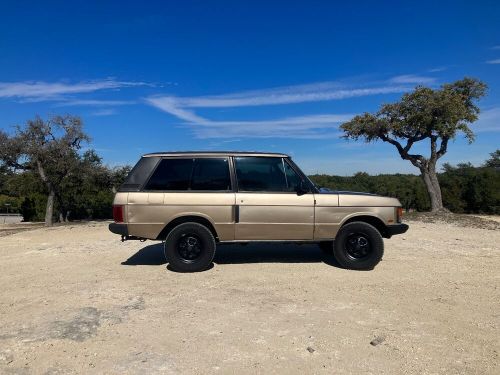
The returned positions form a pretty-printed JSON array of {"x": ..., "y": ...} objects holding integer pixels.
[
  {"x": 118, "y": 214},
  {"x": 400, "y": 214}
]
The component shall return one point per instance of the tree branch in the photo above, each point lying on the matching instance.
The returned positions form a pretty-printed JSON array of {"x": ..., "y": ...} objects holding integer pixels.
[
  {"x": 443, "y": 148},
  {"x": 417, "y": 160}
]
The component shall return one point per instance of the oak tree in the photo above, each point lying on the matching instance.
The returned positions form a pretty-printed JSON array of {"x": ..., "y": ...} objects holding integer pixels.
[
  {"x": 47, "y": 147},
  {"x": 429, "y": 115}
]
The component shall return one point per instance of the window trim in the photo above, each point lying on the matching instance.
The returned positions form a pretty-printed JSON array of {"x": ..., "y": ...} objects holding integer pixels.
[
  {"x": 230, "y": 190},
  {"x": 304, "y": 177}
]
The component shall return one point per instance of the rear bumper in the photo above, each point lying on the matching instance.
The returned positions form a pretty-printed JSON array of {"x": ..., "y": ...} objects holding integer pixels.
[
  {"x": 396, "y": 229},
  {"x": 118, "y": 228}
]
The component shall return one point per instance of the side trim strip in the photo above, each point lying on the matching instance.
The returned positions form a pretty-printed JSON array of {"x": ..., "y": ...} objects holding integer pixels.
[{"x": 236, "y": 213}]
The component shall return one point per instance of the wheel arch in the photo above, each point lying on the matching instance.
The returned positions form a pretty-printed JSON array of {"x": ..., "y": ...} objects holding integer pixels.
[
  {"x": 187, "y": 219},
  {"x": 369, "y": 219}
]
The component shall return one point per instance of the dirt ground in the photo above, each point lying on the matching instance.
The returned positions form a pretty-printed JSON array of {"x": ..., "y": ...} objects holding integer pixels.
[{"x": 74, "y": 299}]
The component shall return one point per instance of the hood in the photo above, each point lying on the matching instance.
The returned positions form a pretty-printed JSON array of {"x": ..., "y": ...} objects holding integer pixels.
[{"x": 361, "y": 199}]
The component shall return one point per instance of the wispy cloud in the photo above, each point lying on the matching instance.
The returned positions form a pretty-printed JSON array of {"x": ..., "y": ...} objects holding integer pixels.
[
  {"x": 104, "y": 112},
  {"x": 94, "y": 103},
  {"x": 290, "y": 127},
  {"x": 40, "y": 91},
  {"x": 496, "y": 61},
  {"x": 286, "y": 95},
  {"x": 438, "y": 69},
  {"x": 309, "y": 126},
  {"x": 413, "y": 79},
  {"x": 171, "y": 105},
  {"x": 489, "y": 121},
  {"x": 495, "y": 47}
]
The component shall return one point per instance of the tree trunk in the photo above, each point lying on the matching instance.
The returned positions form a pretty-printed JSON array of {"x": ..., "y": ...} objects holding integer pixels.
[
  {"x": 433, "y": 189},
  {"x": 49, "y": 210},
  {"x": 63, "y": 212}
]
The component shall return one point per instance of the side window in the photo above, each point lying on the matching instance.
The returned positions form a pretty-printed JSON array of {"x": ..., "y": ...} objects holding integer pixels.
[
  {"x": 211, "y": 174},
  {"x": 260, "y": 174},
  {"x": 171, "y": 174},
  {"x": 292, "y": 178}
]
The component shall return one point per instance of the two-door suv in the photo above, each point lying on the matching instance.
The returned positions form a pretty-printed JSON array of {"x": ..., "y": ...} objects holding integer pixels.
[{"x": 192, "y": 200}]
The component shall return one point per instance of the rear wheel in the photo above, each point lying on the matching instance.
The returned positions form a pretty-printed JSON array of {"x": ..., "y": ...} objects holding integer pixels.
[
  {"x": 358, "y": 246},
  {"x": 190, "y": 247}
]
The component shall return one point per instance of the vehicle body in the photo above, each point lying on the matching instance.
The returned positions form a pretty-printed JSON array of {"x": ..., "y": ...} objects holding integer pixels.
[{"x": 243, "y": 197}]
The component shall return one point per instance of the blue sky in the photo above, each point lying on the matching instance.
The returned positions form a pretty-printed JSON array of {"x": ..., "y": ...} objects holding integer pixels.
[{"x": 244, "y": 75}]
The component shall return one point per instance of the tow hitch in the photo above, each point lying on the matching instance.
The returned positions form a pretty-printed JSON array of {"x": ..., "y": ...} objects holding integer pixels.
[{"x": 132, "y": 238}]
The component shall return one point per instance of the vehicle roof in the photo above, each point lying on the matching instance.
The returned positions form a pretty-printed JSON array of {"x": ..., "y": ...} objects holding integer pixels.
[{"x": 216, "y": 153}]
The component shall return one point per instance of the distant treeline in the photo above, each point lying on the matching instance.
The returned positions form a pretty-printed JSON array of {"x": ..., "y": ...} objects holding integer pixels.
[
  {"x": 465, "y": 188},
  {"x": 89, "y": 193}
]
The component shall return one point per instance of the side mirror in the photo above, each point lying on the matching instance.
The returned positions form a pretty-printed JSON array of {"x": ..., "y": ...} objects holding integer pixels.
[{"x": 302, "y": 188}]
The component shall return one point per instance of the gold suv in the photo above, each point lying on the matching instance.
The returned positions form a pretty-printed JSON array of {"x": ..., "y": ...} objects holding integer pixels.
[{"x": 193, "y": 200}]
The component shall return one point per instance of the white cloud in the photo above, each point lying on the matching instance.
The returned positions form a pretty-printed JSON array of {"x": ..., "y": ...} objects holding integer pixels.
[
  {"x": 311, "y": 126},
  {"x": 104, "y": 112},
  {"x": 438, "y": 69},
  {"x": 496, "y": 61},
  {"x": 412, "y": 79},
  {"x": 495, "y": 47},
  {"x": 290, "y": 127},
  {"x": 170, "y": 105},
  {"x": 93, "y": 103},
  {"x": 39, "y": 91},
  {"x": 489, "y": 121},
  {"x": 290, "y": 95}
]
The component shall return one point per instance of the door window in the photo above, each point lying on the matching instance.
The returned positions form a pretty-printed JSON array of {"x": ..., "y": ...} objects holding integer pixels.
[
  {"x": 211, "y": 174},
  {"x": 260, "y": 174}
]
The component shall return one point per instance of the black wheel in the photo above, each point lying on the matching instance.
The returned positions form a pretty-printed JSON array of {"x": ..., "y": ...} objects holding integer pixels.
[
  {"x": 326, "y": 247},
  {"x": 190, "y": 247},
  {"x": 358, "y": 246}
]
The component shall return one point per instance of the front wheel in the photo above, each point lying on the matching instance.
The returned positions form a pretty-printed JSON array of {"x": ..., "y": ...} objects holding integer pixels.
[
  {"x": 358, "y": 246},
  {"x": 190, "y": 247}
]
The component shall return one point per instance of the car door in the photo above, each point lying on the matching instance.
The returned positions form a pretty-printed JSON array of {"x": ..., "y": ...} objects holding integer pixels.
[{"x": 268, "y": 206}]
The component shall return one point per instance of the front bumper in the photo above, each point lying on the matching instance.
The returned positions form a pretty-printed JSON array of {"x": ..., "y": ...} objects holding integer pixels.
[
  {"x": 396, "y": 229},
  {"x": 119, "y": 228}
]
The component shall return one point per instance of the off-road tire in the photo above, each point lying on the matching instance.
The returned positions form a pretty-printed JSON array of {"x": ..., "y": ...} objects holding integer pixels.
[
  {"x": 190, "y": 247},
  {"x": 358, "y": 246}
]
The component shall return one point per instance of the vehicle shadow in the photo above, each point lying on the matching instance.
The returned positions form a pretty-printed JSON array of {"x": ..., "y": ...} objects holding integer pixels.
[
  {"x": 151, "y": 255},
  {"x": 262, "y": 252}
]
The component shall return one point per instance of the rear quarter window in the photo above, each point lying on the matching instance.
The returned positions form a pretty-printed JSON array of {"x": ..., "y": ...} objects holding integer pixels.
[
  {"x": 139, "y": 174},
  {"x": 171, "y": 174},
  {"x": 199, "y": 174}
]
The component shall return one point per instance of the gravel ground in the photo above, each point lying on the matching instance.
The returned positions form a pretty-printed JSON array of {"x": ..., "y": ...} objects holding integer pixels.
[{"x": 76, "y": 300}]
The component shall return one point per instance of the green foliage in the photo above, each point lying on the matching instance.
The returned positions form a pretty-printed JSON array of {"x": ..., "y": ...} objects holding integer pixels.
[
  {"x": 87, "y": 193},
  {"x": 9, "y": 204},
  {"x": 33, "y": 207},
  {"x": 422, "y": 114},
  {"x": 494, "y": 160},
  {"x": 465, "y": 188},
  {"x": 432, "y": 115},
  {"x": 470, "y": 189},
  {"x": 409, "y": 189}
]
